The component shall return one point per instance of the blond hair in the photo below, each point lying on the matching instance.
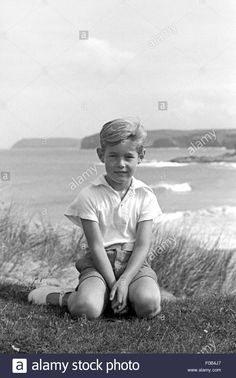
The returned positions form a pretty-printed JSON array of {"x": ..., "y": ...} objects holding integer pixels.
[{"x": 120, "y": 129}]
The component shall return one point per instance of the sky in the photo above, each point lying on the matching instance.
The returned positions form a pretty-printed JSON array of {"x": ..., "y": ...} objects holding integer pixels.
[{"x": 170, "y": 63}]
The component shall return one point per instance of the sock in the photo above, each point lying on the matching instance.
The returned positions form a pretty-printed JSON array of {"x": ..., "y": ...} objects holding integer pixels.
[
  {"x": 54, "y": 299},
  {"x": 65, "y": 299}
]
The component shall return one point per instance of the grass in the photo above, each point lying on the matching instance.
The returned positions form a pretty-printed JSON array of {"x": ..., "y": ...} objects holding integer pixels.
[
  {"x": 187, "y": 326},
  {"x": 202, "y": 320}
]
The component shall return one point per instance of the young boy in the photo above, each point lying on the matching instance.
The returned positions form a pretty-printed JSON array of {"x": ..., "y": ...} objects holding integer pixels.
[{"x": 116, "y": 212}]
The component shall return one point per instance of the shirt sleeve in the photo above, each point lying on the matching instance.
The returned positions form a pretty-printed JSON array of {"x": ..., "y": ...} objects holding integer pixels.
[
  {"x": 150, "y": 208},
  {"x": 82, "y": 207}
]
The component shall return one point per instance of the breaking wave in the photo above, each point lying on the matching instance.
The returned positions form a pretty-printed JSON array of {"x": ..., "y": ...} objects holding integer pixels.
[
  {"x": 161, "y": 164},
  {"x": 183, "y": 187}
]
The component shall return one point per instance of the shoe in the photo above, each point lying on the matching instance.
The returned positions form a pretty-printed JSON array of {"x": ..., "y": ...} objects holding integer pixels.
[{"x": 39, "y": 296}]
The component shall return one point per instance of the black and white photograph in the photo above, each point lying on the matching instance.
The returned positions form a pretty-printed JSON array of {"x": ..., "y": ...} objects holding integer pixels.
[{"x": 117, "y": 184}]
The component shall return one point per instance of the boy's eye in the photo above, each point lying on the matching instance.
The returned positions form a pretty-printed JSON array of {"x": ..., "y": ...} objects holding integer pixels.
[{"x": 128, "y": 157}]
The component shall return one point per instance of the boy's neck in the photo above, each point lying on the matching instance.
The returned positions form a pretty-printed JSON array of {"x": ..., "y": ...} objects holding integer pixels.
[{"x": 118, "y": 187}]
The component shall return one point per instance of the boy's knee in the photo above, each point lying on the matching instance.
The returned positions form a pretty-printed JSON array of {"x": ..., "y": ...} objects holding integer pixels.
[
  {"x": 84, "y": 307},
  {"x": 147, "y": 306}
]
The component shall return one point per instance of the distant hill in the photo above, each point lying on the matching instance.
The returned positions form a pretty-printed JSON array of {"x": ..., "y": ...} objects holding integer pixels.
[
  {"x": 179, "y": 138},
  {"x": 91, "y": 141},
  {"x": 48, "y": 143},
  {"x": 155, "y": 138}
]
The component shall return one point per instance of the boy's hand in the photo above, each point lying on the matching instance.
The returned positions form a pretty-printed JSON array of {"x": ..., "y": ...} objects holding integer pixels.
[{"x": 118, "y": 296}]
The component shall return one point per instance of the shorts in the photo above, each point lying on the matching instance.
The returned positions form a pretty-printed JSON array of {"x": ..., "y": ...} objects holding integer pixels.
[{"x": 118, "y": 255}]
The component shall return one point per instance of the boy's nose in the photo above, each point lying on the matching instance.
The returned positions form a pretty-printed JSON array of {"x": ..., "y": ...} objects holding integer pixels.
[{"x": 121, "y": 163}]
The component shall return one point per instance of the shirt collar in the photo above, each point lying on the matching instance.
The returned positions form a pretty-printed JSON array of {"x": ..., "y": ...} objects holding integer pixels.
[{"x": 135, "y": 184}]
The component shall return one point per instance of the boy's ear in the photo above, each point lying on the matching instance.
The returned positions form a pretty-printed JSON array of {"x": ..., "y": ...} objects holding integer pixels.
[
  {"x": 141, "y": 156},
  {"x": 100, "y": 154}
]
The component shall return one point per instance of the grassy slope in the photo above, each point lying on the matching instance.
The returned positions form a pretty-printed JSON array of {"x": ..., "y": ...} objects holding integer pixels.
[
  {"x": 204, "y": 276},
  {"x": 183, "y": 327}
]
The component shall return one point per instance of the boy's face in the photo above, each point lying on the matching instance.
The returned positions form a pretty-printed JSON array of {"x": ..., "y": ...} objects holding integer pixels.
[{"x": 120, "y": 162}]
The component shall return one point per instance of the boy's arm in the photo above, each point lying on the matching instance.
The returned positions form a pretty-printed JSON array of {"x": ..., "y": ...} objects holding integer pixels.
[
  {"x": 119, "y": 291},
  {"x": 99, "y": 255},
  {"x": 141, "y": 248}
]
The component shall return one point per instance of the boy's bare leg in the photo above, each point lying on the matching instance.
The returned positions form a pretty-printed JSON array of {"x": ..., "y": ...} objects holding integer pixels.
[
  {"x": 90, "y": 299},
  {"x": 145, "y": 298}
]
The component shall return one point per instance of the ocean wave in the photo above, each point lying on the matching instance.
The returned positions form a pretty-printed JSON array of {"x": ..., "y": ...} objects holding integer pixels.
[
  {"x": 161, "y": 164},
  {"x": 183, "y": 187},
  {"x": 224, "y": 164}
]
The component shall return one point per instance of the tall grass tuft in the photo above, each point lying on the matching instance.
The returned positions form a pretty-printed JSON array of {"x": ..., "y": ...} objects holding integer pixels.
[
  {"x": 189, "y": 267},
  {"x": 34, "y": 247}
]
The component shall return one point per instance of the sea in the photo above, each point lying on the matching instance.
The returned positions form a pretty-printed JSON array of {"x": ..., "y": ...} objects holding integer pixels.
[{"x": 44, "y": 181}]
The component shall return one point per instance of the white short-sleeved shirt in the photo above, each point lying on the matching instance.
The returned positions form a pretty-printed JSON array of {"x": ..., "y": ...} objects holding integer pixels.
[{"x": 117, "y": 218}]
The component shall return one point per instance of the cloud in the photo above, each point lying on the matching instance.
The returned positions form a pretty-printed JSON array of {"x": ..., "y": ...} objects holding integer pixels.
[{"x": 100, "y": 56}]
